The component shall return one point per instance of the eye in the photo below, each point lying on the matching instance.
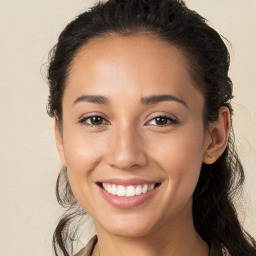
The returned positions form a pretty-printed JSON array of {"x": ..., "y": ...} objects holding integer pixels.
[
  {"x": 93, "y": 121},
  {"x": 162, "y": 121}
]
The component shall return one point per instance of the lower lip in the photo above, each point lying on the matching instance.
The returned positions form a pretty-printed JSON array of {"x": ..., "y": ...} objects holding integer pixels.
[{"x": 127, "y": 202}]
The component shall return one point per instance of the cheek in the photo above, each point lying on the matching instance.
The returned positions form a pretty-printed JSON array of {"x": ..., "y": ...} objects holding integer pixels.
[
  {"x": 184, "y": 147},
  {"x": 83, "y": 155},
  {"x": 180, "y": 157},
  {"x": 82, "y": 152}
]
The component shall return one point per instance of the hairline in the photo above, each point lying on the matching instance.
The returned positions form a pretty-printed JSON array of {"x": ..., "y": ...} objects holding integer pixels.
[{"x": 198, "y": 82}]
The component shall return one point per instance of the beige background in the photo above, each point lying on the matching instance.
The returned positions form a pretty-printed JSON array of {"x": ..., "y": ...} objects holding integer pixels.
[{"x": 28, "y": 159}]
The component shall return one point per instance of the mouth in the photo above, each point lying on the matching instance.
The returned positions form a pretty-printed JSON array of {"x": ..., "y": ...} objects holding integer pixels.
[{"x": 127, "y": 190}]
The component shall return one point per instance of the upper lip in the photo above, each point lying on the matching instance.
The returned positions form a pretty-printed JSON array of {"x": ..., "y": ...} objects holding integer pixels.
[{"x": 130, "y": 181}]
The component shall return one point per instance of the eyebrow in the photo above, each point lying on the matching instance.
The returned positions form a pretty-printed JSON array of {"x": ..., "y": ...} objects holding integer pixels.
[
  {"x": 93, "y": 99},
  {"x": 159, "y": 98},
  {"x": 98, "y": 99}
]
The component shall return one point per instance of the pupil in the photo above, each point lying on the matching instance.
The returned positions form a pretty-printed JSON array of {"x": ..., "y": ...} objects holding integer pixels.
[
  {"x": 161, "y": 120},
  {"x": 96, "y": 120}
]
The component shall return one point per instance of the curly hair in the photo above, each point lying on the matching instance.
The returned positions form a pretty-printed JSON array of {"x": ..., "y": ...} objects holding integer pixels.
[{"x": 214, "y": 214}]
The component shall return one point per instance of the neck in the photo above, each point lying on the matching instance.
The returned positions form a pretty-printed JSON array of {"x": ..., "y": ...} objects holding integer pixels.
[{"x": 174, "y": 239}]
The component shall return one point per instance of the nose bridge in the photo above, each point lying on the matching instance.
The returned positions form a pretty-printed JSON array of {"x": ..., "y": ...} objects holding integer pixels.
[{"x": 126, "y": 147}]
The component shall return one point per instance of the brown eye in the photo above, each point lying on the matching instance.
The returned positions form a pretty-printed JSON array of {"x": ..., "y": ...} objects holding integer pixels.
[
  {"x": 96, "y": 120},
  {"x": 93, "y": 121},
  {"x": 162, "y": 121}
]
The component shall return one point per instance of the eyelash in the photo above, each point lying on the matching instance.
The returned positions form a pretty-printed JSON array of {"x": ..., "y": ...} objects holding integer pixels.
[
  {"x": 83, "y": 121},
  {"x": 168, "y": 119},
  {"x": 171, "y": 121}
]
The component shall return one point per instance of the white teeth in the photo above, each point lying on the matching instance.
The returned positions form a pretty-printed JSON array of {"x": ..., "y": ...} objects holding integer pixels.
[
  {"x": 109, "y": 188},
  {"x": 145, "y": 189},
  {"x": 121, "y": 190},
  {"x": 104, "y": 186},
  {"x": 114, "y": 190},
  {"x": 138, "y": 190},
  {"x": 128, "y": 191},
  {"x": 150, "y": 187}
]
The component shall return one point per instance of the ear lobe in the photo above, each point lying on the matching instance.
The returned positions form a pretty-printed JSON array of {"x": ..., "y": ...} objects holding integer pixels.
[
  {"x": 59, "y": 142},
  {"x": 218, "y": 132}
]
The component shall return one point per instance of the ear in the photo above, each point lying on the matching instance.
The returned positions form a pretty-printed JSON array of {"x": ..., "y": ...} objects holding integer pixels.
[
  {"x": 218, "y": 133},
  {"x": 59, "y": 142}
]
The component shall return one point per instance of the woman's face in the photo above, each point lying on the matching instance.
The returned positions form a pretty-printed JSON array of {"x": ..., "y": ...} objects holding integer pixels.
[{"x": 132, "y": 125}]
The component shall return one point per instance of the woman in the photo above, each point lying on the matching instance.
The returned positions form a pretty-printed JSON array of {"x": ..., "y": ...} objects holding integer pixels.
[{"x": 141, "y": 96}]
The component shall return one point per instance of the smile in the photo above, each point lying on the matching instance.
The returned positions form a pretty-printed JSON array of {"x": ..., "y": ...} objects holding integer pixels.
[{"x": 128, "y": 191}]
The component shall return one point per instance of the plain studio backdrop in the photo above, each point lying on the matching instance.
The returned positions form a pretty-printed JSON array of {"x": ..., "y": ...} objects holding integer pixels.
[{"x": 28, "y": 158}]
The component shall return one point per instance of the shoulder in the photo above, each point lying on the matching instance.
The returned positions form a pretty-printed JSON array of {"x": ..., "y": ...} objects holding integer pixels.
[{"x": 88, "y": 249}]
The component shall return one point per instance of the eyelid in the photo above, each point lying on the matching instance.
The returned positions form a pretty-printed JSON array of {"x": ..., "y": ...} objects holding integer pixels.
[
  {"x": 91, "y": 115},
  {"x": 174, "y": 119}
]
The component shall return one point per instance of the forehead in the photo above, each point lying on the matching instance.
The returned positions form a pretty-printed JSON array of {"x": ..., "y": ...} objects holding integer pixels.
[
  {"x": 139, "y": 54},
  {"x": 138, "y": 65}
]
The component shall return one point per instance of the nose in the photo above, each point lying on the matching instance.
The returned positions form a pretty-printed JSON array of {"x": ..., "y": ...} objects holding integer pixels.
[{"x": 126, "y": 149}]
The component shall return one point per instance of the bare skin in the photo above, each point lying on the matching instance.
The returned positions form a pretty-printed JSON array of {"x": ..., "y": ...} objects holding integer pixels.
[{"x": 130, "y": 133}]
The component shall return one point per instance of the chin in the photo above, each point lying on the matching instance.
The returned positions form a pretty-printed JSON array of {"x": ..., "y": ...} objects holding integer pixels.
[
  {"x": 132, "y": 232},
  {"x": 131, "y": 229}
]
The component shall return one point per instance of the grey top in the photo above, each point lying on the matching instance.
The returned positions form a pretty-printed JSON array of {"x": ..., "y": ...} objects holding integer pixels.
[{"x": 215, "y": 249}]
